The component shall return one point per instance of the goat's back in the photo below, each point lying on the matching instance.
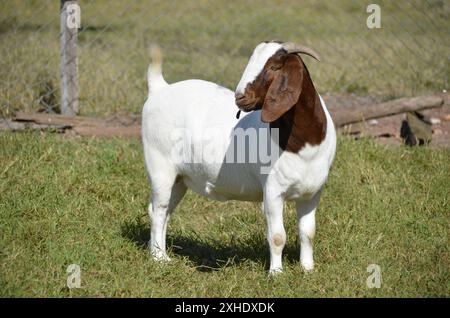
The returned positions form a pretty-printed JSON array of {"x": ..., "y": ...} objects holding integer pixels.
[{"x": 186, "y": 110}]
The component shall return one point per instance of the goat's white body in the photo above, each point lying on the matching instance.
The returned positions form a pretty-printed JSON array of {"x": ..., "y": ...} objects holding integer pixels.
[
  {"x": 196, "y": 107},
  {"x": 190, "y": 110},
  {"x": 198, "y": 114}
]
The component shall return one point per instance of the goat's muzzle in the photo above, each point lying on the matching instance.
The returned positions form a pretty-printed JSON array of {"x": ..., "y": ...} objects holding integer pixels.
[
  {"x": 243, "y": 103},
  {"x": 238, "y": 96}
]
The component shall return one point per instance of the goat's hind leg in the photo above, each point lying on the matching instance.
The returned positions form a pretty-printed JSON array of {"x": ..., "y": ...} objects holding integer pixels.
[{"x": 166, "y": 194}]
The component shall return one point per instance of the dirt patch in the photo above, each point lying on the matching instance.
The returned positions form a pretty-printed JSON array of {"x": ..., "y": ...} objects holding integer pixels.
[{"x": 114, "y": 126}]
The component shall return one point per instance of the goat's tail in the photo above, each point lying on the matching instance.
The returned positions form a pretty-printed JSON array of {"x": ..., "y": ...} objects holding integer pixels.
[{"x": 155, "y": 79}]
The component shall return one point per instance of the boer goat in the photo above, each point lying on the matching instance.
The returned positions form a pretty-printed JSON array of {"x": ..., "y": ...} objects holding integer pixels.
[{"x": 276, "y": 94}]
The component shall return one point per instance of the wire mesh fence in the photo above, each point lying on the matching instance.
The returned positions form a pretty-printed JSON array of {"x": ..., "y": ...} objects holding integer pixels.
[{"x": 212, "y": 40}]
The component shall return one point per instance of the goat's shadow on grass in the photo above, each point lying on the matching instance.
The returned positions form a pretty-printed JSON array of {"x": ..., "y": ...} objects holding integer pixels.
[{"x": 208, "y": 258}]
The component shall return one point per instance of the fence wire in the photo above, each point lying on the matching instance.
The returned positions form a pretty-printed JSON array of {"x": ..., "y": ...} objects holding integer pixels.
[{"x": 212, "y": 40}]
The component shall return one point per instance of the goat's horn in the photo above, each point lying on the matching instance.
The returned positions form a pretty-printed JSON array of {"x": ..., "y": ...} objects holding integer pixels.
[{"x": 296, "y": 48}]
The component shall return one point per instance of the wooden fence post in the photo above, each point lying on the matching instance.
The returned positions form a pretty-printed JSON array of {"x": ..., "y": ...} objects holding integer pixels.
[{"x": 70, "y": 19}]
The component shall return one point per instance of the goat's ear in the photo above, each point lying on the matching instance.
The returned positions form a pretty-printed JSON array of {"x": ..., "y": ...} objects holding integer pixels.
[{"x": 284, "y": 90}]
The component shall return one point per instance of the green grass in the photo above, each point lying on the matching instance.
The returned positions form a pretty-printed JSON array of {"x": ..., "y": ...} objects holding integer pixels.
[
  {"x": 84, "y": 201},
  {"x": 213, "y": 40}
]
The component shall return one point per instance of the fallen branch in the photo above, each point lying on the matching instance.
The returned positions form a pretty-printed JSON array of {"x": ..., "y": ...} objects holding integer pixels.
[
  {"x": 344, "y": 116},
  {"x": 128, "y": 126}
]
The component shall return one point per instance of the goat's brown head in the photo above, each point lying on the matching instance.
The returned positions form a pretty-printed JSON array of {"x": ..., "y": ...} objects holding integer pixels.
[{"x": 272, "y": 80}]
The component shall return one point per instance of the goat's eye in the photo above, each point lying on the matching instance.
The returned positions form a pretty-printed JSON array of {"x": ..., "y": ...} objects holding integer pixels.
[{"x": 275, "y": 67}]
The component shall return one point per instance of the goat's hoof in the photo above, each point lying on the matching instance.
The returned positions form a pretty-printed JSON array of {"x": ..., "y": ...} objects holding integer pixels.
[
  {"x": 275, "y": 271},
  {"x": 161, "y": 257},
  {"x": 308, "y": 267}
]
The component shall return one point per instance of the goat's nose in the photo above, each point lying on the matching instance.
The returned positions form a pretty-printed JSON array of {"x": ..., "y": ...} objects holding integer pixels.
[{"x": 238, "y": 96}]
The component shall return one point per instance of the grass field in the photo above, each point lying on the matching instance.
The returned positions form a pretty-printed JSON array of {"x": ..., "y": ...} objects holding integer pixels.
[
  {"x": 213, "y": 40},
  {"x": 84, "y": 201}
]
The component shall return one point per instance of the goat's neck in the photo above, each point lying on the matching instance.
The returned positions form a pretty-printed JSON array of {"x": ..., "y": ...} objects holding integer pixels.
[{"x": 305, "y": 123}]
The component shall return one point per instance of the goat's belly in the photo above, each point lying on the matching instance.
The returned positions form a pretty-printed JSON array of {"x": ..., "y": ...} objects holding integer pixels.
[
  {"x": 223, "y": 183},
  {"x": 214, "y": 192}
]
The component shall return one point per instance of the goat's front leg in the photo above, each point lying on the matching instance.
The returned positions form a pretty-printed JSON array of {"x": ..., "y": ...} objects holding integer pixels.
[
  {"x": 276, "y": 235},
  {"x": 306, "y": 215}
]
